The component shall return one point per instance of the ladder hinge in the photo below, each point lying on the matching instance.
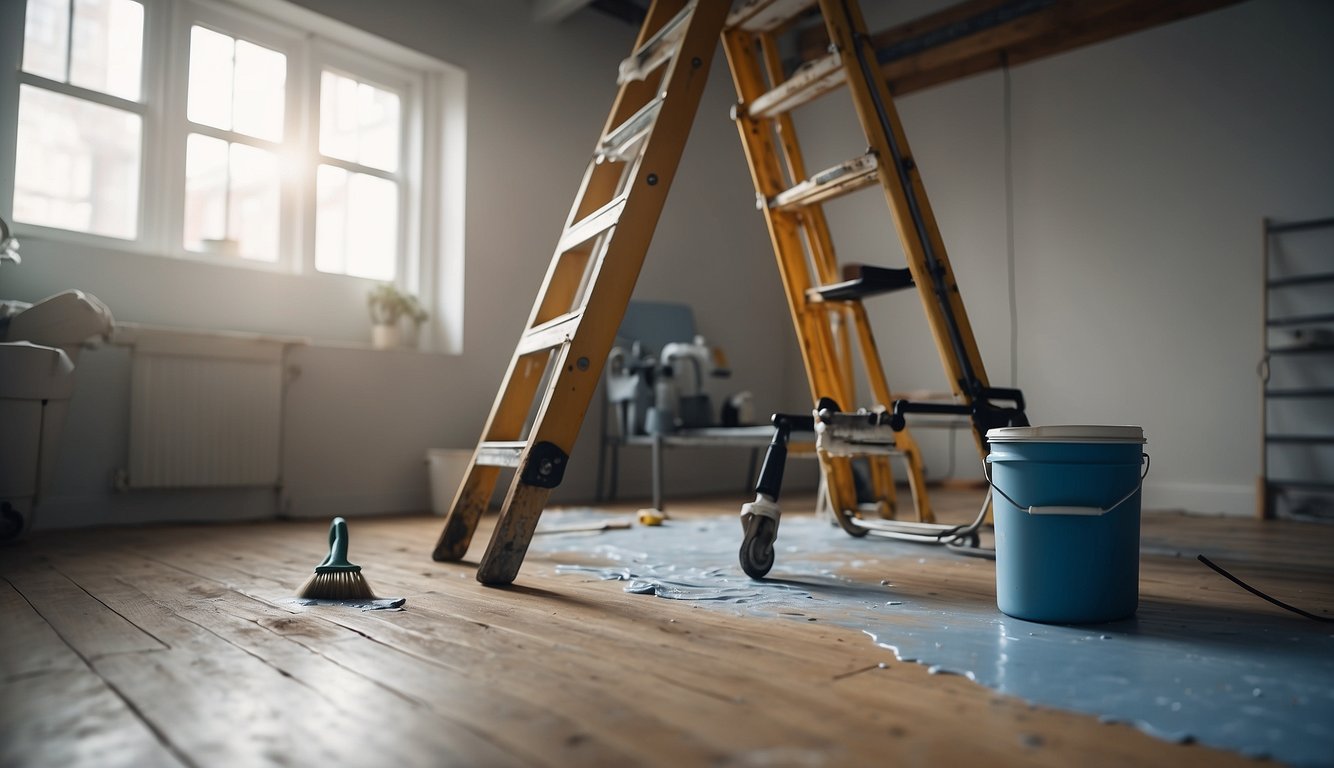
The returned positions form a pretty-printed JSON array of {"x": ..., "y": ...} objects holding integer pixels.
[{"x": 545, "y": 467}]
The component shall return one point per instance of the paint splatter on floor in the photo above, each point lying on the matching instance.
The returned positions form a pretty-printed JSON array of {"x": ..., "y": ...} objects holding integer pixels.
[{"x": 1262, "y": 687}]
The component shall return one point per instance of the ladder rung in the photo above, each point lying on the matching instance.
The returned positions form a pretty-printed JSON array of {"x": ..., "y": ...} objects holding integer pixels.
[
  {"x": 656, "y": 49},
  {"x": 592, "y": 225},
  {"x": 862, "y": 280},
  {"x": 766, "y": 15},
  {"x": 1303, "y": 349},
  {"x": 1301, "y": 439},
  {"x": 1283, "y": 282},
  {"x": 1301, "y": 320},
  {"x": 1301, "y": 485},
  {"x": 550, "y": 334},
  {"x": 620, "y": 143},
  {"x": 812, "y": 80},
  {"x": 1315, "y": 392},
  {"x": 500, "y": 453},
  {"x": 839, "y": 180}
]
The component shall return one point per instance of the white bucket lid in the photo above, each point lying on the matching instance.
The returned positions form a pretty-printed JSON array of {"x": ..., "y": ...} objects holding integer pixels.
[{"x": 1067, "y": 433}]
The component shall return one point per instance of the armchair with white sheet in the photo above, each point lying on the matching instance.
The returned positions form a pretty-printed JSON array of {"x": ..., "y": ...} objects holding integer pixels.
[{"x": 39, "y": 349}]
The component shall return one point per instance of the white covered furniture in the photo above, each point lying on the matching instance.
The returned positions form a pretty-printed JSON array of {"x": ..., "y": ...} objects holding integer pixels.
[{"x": 39, "y": 348}]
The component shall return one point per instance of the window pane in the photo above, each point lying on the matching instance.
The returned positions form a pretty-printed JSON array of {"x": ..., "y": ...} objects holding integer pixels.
[
  {"x": 210, "y": 98},
  {"x": 108, "y": 46},
  {"x": 232, "y": 199},
  {"x": 236, "y": 85},
  {"x": 254, "y": 202},
  {"x": 359, "y": 122},
  {"x": 356, "y": 224},
  {"x": 46, "y": 38},
  {"x": 77, "y": 165},
  {"x": 206, "y": 195},
  {"x": 261, "y": 78},
  {"x": 378, "y": 145},
  {"x": 330, "y": 219}
]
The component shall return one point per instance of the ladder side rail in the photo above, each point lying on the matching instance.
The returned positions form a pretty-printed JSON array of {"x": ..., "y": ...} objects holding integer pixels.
[
  {"x": 903, "y": 439},
  {"x": 815, "y": 228},
  {"x": 846, "y": 319},
  {"x": 830, "y": 376},
  {"x": 602, "y": 180},
  {"x": 578, "y": 364},
  {"x": 851, "y": 317},
  {"x": 916, "y": 225},
  {"x": 814, "y": 337},
  {"x": 519, "y": 386}
]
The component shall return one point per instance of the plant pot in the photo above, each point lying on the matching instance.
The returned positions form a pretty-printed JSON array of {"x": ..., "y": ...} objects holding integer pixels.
[{"x": 384, "y": 336}]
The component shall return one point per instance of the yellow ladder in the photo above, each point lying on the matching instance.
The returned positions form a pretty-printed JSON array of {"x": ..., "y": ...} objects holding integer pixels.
[
  {"x": 825, "y": 302},
  {"x": 592, "y": 275},
  {"x": 560, "y": 356}
]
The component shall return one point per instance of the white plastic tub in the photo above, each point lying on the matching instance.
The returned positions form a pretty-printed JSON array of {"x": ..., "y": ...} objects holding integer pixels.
[{"x": 447, "y": 467}]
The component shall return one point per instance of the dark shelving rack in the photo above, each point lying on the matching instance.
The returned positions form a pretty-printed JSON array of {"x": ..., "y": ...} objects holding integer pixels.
[{"x": 1301, "y": 354}]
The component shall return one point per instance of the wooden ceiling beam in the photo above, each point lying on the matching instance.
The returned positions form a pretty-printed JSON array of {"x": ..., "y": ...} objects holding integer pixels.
[{"x": 976, "y": 36}]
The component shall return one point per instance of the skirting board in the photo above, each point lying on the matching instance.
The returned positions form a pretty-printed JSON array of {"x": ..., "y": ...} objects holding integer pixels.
[
  {"x": 1201, "y": 498},
  {"x": 356, "y": 505},
  {"x": 139, "y": 507}
]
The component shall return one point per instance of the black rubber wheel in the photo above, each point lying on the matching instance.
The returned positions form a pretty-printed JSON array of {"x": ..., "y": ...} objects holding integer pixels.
[{"x": 757, "y": 548}]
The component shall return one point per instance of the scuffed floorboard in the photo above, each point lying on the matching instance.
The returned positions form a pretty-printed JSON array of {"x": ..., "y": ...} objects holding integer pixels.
[{"x": 179, "y": 645}]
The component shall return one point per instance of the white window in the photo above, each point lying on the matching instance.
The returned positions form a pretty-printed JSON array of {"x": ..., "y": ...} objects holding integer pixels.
[
  {"x": 250, "y": 133},
  {"x": 80, "y": 117}
]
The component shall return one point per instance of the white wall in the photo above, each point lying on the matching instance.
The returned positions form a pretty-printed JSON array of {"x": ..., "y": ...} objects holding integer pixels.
[{"x": 1142, "y": 167}]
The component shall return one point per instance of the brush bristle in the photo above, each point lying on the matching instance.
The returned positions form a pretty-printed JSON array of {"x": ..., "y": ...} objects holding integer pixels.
[{"x": 338, "y": 585}]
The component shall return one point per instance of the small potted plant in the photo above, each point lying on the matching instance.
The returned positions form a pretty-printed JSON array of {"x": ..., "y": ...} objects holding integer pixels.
[{"x": 389, "y": 307}]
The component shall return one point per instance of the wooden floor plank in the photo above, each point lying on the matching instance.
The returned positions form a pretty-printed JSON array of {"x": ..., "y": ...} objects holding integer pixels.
[
  {"x": 88, "y": 626},
  {"x": 562, "y": 670},
  {"x": 255, "y": 713},
  {"x": 339, "y": 663},
  {"x": 57, "y": 711}
]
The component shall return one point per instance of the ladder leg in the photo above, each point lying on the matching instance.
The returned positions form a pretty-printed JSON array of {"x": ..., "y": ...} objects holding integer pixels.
[
  {"x": 560, "y": 356},
  {"x": 513, "y": 533},
  {"x": 474, "y": 494}
]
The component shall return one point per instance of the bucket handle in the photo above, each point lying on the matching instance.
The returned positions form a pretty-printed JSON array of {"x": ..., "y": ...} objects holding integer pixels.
[{"x": 1082, "y": 511}]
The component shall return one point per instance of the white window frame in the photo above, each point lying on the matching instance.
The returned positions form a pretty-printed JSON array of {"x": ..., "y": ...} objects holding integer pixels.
[
  {"x": 410, "y": 88},
  {"x": 432, "y": 161},
  {"x": 177, "y": 128},
  {"x": 147, "y": 135}
]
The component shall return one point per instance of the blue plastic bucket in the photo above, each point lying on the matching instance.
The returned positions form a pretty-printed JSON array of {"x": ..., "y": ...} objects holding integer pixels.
[{"x": 1066, "y": 508}]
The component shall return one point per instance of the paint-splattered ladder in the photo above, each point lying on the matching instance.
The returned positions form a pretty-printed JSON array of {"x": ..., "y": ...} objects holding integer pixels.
[{"x": 559, "y": 357}]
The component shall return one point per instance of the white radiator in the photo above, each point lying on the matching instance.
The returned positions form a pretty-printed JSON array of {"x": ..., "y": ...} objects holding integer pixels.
[{"x": 205, "y": 408}]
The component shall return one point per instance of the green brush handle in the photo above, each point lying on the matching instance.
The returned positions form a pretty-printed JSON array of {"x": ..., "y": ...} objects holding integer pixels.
[{"x": 337, "y": 559}]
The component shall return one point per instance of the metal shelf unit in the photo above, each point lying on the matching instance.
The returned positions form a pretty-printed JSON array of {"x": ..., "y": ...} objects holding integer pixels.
[{"x": 1297, "y": 371}]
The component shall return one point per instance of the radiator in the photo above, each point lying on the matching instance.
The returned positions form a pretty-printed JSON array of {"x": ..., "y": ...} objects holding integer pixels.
[{"x": 205, "y": 409}]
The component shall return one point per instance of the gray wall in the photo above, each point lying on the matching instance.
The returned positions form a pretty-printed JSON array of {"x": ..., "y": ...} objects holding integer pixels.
[{"x": 1141, "y": 169}]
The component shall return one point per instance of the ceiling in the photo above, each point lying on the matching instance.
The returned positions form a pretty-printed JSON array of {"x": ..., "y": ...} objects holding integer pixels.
[{"x": 963, "y": 39}]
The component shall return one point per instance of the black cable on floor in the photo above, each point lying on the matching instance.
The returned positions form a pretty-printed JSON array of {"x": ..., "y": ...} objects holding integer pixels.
[{"x": 1260, "y": 594}]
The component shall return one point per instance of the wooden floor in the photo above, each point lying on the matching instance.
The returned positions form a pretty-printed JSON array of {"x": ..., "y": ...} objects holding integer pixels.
[{"x": 172, "y": 645}]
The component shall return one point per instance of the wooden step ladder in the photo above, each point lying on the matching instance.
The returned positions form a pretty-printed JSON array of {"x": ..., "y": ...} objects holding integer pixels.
[
  {"x": 560, "y": 356},
  {"x": 825, "y": 302}
]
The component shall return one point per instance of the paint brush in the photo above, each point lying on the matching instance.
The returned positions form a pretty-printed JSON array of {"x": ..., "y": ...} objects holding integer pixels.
[{"x": 336, "y": 578}]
